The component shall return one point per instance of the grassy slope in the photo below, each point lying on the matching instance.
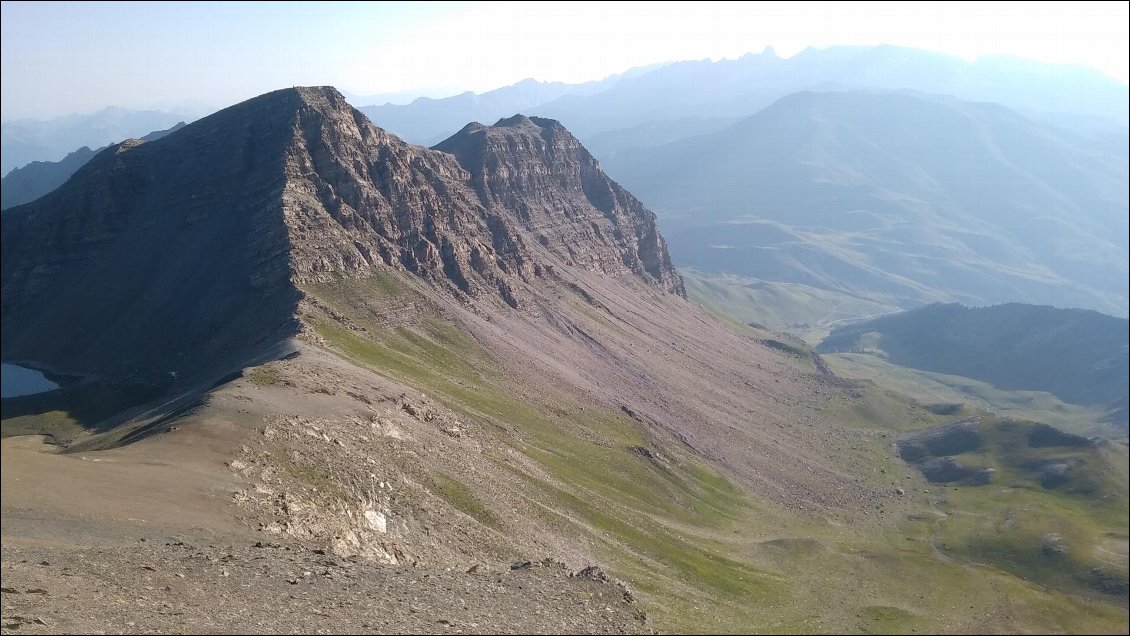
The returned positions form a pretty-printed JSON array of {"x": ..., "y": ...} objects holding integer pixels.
[
  {"x": 1011, "y": 521},
  {"x": 806, "y": 312},
  {"x": 701, "y": 555},
  {"x": 938, "y": 388},
  {"x": 803, "y": 312}
]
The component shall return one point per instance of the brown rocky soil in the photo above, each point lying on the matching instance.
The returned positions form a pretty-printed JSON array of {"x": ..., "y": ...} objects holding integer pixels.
[{"x": 171, "y": 584}]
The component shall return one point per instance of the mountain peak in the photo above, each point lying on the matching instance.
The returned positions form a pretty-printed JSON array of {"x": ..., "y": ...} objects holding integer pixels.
[
  {"x": 231, "y": 216},
  {"x": 514, "y": 121},
  {"x": 306, "y": 94},
  {"x": 522, "y": 121},
  {"x": 509, "y": 125},
  {"x": 536, "y": 167},
  {"x": 296, "y": 97},
  {"x": 321, "y": 97}
]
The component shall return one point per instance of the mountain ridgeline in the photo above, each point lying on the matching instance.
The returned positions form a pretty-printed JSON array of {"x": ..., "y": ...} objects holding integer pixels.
[
  {"x": 1077, "y": 355},
  {"x": 26, "y": 140},
  {"x": 427, "y": 120},
  {"x": 40, "y": 177},
  {"x": 37, "y": 178},
  {"x": 184, "y": 253},
  {"x": 704, "y": 95},
  {"x": 886, "y": 175}
]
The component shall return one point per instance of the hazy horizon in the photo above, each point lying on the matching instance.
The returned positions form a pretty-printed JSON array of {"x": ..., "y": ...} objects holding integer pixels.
[{"x": 70, "y": 58}]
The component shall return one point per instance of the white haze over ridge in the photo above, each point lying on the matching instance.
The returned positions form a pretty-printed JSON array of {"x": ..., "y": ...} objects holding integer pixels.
[{"x": 61, "y": 58}]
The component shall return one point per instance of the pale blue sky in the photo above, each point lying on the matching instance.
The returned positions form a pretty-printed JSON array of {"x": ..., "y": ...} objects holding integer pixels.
[{"x": 59, "y": 58}]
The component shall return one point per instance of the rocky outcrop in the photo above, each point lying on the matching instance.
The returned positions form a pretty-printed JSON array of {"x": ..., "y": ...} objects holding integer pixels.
[
  {"x": 1044, "y": 436},
  {"x": 158, "y": 258},
  {"x": 947, "y": 439},
  {"x": 931, "y": 450},
  {"x": 942, "y": 470},
  {"x": 958, "y": 451},
  {"x": 487, "y": 211}
]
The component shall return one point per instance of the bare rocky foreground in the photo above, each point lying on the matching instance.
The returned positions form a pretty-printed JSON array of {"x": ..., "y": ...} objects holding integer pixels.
[
  {"x": 149, "y": 538},
  {"x": 162, "y": 585},
  {"x": 182, "y": 532}
]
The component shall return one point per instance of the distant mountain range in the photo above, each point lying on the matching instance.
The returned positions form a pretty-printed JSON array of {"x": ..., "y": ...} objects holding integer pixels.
[
  {"x": 1079, "y": 356},
  {"x": 428, "y": 121},
  {"x": 40, "y": 177},
  {"x": 659, "y": 103},
  {"x": 25, "y": 140},
  {"x": 898, "y": 196},
  {"x": 715, "y": 93},
  {"x": 772, "y": 169}
]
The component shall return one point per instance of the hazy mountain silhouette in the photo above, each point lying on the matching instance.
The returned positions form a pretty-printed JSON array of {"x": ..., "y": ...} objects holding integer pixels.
[
  {"x": 741, "y": 87},
  {"x": 719, "y": 92},
  {"x": 27, "y": 140},
  {"x": 904, "y": 196},
  {"x": 427, "y": 121},
  {"x": 40, "y": 177}
]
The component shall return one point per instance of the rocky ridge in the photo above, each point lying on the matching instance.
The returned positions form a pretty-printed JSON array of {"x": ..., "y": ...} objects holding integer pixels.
[
  {"x": 37, "y": 178},
  {"x": 536, "y": 171}
]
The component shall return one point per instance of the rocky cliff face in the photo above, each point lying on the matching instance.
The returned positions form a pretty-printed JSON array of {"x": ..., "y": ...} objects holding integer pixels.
[
  {"x": 538, "y": 177},
  {"x": 484, "y": 212},
  {"x": 167, "y": 255}
]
